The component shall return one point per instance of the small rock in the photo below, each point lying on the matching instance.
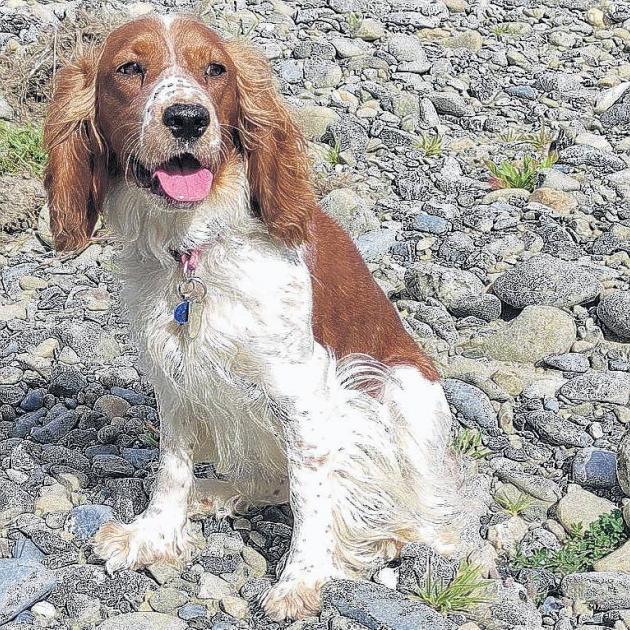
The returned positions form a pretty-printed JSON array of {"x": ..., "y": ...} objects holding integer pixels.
[
  {"x": 562, "y": 202},
  {"x": 579, "y": 506},
  {"x": 557, "y": 430},
  {"x": 507, "y": 535},
  {"x": 370, "y": 30},
  {"x": 21, "y": 585},
  {"x": 235, "y": 607},
  {"x": 623, "y": 463},
  {"x": 595, "y": 468},
  {"x": 537, "y": 332},
  {"x": 66, "y": 382},
  {"x": 377, "y": 607},
  {"x": 607, "y": 387},
  {"x": 451, "y": 104},
  {"x": 213, "y": 587},
  {"x": 568, "y": 362},
  {"x": 472, "y": 404},
  {"x": 618, "y": 560},
  {"x": 85, "y": 520},
  {"x": 192, "y": 611},
  {"x": 143, "y": 621},
  {"x": 602, "y": 591},
  {"x": 614, "y": 311},
  {"x": 167, "y": 599},
  {"x": 111, "y": 406},
  {"x": 546, "y": 280},
  {"x": 112, "y": 466}
]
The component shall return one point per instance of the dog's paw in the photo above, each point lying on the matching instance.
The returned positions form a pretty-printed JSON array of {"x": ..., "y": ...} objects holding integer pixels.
[
  {"x": 293, "y": 599},
  {"x": 141, "y": 543}
]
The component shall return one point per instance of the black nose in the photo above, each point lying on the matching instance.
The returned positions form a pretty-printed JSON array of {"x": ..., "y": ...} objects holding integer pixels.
[{"x": 186, "y": 121}]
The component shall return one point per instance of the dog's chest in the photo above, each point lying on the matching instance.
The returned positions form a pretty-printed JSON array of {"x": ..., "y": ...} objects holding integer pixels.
[{"x": 257, "y": 309}]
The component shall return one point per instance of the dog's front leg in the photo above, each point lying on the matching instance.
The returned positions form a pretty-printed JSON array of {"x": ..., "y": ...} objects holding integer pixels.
[
  {"x": 161, "y": 532},
  {"x": 309, "y": 396}
]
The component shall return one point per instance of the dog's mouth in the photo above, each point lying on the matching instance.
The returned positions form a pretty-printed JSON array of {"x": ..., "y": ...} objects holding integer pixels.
[{"x": 181, "y": 180}]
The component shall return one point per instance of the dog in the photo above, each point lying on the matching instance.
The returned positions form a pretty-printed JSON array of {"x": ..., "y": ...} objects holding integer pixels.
[{"x": 273, "y": 352}]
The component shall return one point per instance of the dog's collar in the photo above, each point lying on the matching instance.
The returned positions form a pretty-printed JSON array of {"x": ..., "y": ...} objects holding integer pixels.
[{"x": 188, "y": 259}]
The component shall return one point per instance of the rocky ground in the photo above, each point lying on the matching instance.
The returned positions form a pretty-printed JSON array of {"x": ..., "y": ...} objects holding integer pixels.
[{"x": 515, "y": 277}]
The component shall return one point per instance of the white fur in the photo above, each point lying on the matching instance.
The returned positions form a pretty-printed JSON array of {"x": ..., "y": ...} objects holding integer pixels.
[{"x": 258, "y": 396}]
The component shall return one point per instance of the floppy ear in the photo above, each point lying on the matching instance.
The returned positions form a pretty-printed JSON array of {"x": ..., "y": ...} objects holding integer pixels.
[
  {"x": 277, "y": 162},
  {"x": 76, "y": 172}
]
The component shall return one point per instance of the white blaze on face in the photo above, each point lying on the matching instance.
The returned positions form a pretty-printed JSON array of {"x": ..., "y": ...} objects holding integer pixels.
[{"x": 174, "y": 86}]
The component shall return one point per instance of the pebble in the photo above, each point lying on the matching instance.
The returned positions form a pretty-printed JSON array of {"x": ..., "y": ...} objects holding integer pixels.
[
  {"x": 537, "y": 332},
  {"x": 546, "y": 280},
  {"x": 84, "y": 521},
  {"x": 595, "y": 468},
  {"x": 579, "y": 506},
  {"x": 614, "y": 312},
  {"x": 375, "y": 607},
  {"x": 473, "y": 404},
  {"x": 22, "y": 584},
  {"x": 606, "y": 387},
  {"x": 603, "y": 591},
  {"x": 555, "y": 430},
  {"x": 143, "y": 621}
]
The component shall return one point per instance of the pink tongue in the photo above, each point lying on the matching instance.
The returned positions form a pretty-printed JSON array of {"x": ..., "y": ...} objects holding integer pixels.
[{"x": 185, "y": 184}]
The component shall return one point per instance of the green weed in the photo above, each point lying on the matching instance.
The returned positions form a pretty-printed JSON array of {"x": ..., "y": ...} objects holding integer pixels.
[
  {"x": 468, "y": 442},
  {"x": 21, "y": 149},
  {"x": 466, "y": 590},
  {"x": 513, "y": 505},
  {"x": 581, "y": 548},
  {"x": 518, "y": 174},
  {"x": 430, "y": 144}
]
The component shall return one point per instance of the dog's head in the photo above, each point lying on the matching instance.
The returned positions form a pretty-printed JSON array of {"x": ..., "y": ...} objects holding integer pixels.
[{"x": 165, "y": 105}]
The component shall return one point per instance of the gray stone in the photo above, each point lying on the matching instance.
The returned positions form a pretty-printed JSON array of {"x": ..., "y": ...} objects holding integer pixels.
[
  {"x": 112, "y": 466},
  {"x": 120, "y": 590},
  {"x": 595, "y": 468},
  {"x": 144, "y": 621},
  {"x": 14, "y": 499},
  {"x": 451, "y": 104},
  {"x": 460, "y": 291},
  {"x": 473, "y": 405},
  {"x": 603, "y": 591},
  {"x": 66, "y": 382},
  {"x": 375, "y": 244},
  {"x": 556, "y": 430},
  {"x": 430, "y": 223},
  {"x": 568, "y": 362},
  {"x": 56, "y": 429},
  {"x": 379, "y": 608},
  {"x": 417, "y": 560},
  {"x": 623, "y": 463},
  {"x": 606, "y": 387},
  {"x": 322, "y": 74},
  {"x": 537, "y": 332},
  {"x": 614, "y": 311},
  {"x": 350, "y": 210},
  {"x": 85, "y": 520},
  {"x": 580, "y": 507},
  {"x": 546, "y": 280},
  {"x": 6, "y": 111},
  {"x": 22, "y": 584},
  {"x": 583, "y": 155}
]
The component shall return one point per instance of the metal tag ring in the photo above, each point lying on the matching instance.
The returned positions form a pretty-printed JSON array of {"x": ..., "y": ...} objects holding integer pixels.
[{"x": 192, "y": 288}]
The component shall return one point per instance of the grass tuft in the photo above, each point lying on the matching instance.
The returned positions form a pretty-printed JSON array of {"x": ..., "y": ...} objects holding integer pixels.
[
  {"x": 581, "y": 548},
  {"x": 513, "y": 505},
  {"x": 431, "y": 144},
  {"x": 21, "y": 149},
  {"x": 354, "y": 21},
  {"x": 468, "y": 443},
  {"x": 518, "y": 174},
  {"x": 467, "y": 590},
  {"x": 334, "y": 154}
]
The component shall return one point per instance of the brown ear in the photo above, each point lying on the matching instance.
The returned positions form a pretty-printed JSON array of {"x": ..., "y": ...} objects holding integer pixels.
[
  {"x": 277, "y": 162},
  {"x": 75, "y": 175}
]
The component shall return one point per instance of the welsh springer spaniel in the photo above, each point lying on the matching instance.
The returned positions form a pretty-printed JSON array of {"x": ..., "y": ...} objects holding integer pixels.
[{"x": 273, "y": 352}]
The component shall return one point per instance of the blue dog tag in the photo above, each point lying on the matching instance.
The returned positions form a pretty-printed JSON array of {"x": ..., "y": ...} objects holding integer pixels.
[{"x": 182, "y": 312}]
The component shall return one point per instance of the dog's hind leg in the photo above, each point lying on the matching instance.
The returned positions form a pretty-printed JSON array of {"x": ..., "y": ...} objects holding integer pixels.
[{"x": 422, "y": 421}]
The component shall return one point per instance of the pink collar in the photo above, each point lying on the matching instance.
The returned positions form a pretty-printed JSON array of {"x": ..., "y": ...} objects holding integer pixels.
[{"x": 188, "y": 259}]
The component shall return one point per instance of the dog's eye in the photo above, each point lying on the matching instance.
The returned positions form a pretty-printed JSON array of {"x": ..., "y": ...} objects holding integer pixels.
[
  {"x": 214, "y": 70},
  {"x": 132, "y": 67}
]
